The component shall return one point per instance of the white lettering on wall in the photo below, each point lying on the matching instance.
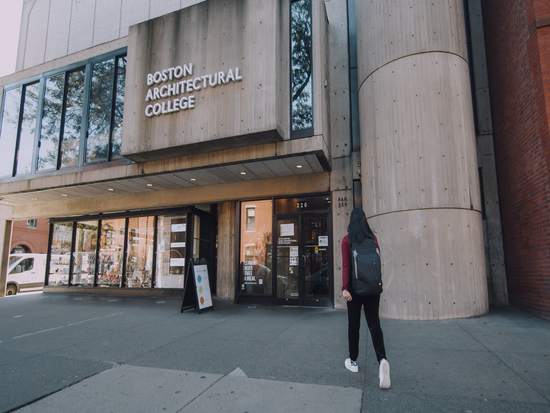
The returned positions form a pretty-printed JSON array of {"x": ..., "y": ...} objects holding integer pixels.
[{"x": 174, "y": 87}]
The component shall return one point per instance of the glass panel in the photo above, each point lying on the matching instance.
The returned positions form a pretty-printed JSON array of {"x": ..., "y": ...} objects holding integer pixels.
[
  {"x": 51, "y": 123},
  {"x": 302, "y": 204},
  {"x": 99, "y": 121},
  {"x": 301, "y": 65},
  {"x": 111, "y": 253},
  {"x": 119, "y": 107},
  {"x": 171, "y": 251},
  {"x": 60, "y": 253},
  {"x": 256, "y": 248},
  {"x": 288, "y": 259},
  {"x": 84, "y": 256},
  {"x": 317, "y": 273},
  {"x": 139, "y": 267},
  {"x": 73, "y": 118},
  {"x": 8, "y": 133},
  {"x": 28, "y": 126}
]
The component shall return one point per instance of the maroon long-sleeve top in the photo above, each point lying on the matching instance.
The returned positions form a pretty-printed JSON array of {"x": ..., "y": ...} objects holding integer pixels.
[{"x": 346, "y": 261}]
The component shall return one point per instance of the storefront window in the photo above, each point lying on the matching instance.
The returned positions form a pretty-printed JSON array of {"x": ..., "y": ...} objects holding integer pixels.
[
  {"x": 171, "y": 251},
  {"x": 256, "y": 248},
  {"x": 65, "y": 119},
  {"x": 111, "y": 253},
  {"x": 51, "y": 123},
  {"x": 70, "y": 144},
  {"x": 301, "y": 68},
  {"x": 8, "y": 133},
  {"x": 28, "y": 127},
  {"x": 139, "y": 265},
  {"x": 84, "y": 257},
  {"x": 99, "y": 118},
  {"x": 60, "y": 253}
]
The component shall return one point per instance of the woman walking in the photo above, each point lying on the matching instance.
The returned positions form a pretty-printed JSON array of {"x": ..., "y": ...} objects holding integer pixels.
[{"x": 358, "y": 230}]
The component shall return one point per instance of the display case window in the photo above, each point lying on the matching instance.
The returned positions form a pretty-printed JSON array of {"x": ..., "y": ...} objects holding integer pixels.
[
  {"x": 60, "y": 254},
  {"x": 84, "y": 256},
  {"x": 139, "y": 264},
  {"x": 171, "y": 251},
  {"x": 256, "y": 248},
  {"x": 111, "y": 253}
]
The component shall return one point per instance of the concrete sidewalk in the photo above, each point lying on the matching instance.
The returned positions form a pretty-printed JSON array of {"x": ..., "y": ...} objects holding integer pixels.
[{"x": 67, "y": 353}]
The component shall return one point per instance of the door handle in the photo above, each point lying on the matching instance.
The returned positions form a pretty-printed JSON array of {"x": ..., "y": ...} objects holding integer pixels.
[{"x": 303, "y": 261}]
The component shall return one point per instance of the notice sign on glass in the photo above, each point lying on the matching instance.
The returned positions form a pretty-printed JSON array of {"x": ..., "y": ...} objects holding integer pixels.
[
  {"x": 179, "y": 227},
  {"x": 203, "y": 286}
]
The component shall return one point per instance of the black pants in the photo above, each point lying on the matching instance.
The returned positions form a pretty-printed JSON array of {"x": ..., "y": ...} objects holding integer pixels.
[{"x": 370, "y": 305}]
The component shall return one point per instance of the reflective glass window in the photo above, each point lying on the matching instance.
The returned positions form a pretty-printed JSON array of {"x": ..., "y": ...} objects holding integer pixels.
[
  {"x": 60, "y": 253},
  {"x": 301, "y": 65},
  {"x": 119, "y": 107},
  {"x": 111, "y": 253},
  {"x": 99, "y": 119},
  {"x": 256, "y": 248},
  {"x": 84, "y": 256},
  {"x": 28, "y": 127},
  {"x": 141, "y": 240},
  {"x": 8, "y": 131},
  {"x": 171, "y": 251},
  {"x": 51, "y": 122},
  {"x": 70, "y": 145}
]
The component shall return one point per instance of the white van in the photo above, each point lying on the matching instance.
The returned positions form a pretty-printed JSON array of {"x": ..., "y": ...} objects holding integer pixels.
[{"x": 26, "y": 272}]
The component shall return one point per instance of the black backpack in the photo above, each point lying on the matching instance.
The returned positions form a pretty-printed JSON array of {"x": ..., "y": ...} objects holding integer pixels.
[{"x": 367, "y": 269}]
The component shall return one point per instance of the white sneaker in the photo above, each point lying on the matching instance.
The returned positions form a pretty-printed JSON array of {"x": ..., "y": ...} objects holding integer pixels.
[
  {"x": 384, "y": 374},
  {"x": 351, "y": 365}
]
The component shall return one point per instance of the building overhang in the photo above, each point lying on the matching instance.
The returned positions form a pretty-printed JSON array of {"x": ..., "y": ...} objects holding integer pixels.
[{"x": 294, "y": 158}]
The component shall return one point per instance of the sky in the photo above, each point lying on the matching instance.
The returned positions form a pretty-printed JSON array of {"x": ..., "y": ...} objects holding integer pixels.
[{"x": 10, "y": 21}]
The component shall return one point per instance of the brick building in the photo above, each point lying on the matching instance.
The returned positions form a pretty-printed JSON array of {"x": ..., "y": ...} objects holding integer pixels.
[{"x": 517, "y": 39}]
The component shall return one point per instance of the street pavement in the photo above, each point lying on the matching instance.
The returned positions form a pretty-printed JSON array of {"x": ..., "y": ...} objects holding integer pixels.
[{"x": 80, "y": 353}]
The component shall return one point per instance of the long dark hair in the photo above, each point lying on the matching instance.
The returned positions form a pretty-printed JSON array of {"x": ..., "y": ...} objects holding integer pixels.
[{"x": 358, "y": 228}]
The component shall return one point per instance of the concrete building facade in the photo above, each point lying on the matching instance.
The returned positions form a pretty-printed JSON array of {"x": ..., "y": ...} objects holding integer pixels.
[{"x": 151, "y": 132}]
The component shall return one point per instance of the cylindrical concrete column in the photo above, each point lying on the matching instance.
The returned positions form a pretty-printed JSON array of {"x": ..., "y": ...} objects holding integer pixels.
[{"x": 418, "y": 157}]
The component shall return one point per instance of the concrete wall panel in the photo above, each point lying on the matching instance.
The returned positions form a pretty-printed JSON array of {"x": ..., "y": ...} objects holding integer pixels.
[
  {"x": 81, "y": 34},
  {"x": 342, "y": 205},
  {"x": 133, "y": 12},
  {"x": 37, "y": 27},
  {"x": 159, "y": 7},
  {"x": 106, "y": 23},
  {"x": 433, "y": 264},
  {"x": 390, "y": 30},
  {"x": 213, "y": 36},
  {"x": 227, "y": 250},
  {"x": 58, "y": 29},
  {"x": 418, "y": 137}
]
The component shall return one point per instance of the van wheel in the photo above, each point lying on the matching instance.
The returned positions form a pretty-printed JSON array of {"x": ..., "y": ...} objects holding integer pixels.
[{"x": 11, "y": 289}]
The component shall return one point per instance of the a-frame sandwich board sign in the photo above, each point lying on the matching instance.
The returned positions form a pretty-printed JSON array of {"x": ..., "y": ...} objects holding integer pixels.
[{"x": 196, "y": 290}]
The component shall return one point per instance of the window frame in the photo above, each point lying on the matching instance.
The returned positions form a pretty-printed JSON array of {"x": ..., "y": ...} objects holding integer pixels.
[
  {"x": 41, "y": 80},
  {"x": 306, "y": 132}
]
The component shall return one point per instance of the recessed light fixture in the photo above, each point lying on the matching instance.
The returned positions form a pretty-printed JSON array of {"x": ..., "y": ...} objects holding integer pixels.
[
  {"x": 149, "y": 184},
  {"x": 243, "y": 173},
  {"x": 298, "y": 166},
  {"x": 63, "y": 194},
  {"x": 34, "y": 199},
  {"x": 110, "y": 189},
  {"x": 193, "y": 179}
]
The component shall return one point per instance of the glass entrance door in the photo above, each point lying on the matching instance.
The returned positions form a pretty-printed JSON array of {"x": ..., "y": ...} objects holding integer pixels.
[{"x": 303, "y": 269}]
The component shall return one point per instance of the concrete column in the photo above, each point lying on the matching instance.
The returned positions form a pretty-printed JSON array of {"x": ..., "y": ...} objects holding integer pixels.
[
  {"x": 226, "y": 250},
  {"x": 5, "y": 236},
  {"x": 418, "y": 157}
]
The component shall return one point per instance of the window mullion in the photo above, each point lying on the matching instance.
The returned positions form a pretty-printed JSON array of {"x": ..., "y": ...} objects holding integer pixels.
[
  {"x": 38, "y": 125},
  {"x": 85, "y": 115}
]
